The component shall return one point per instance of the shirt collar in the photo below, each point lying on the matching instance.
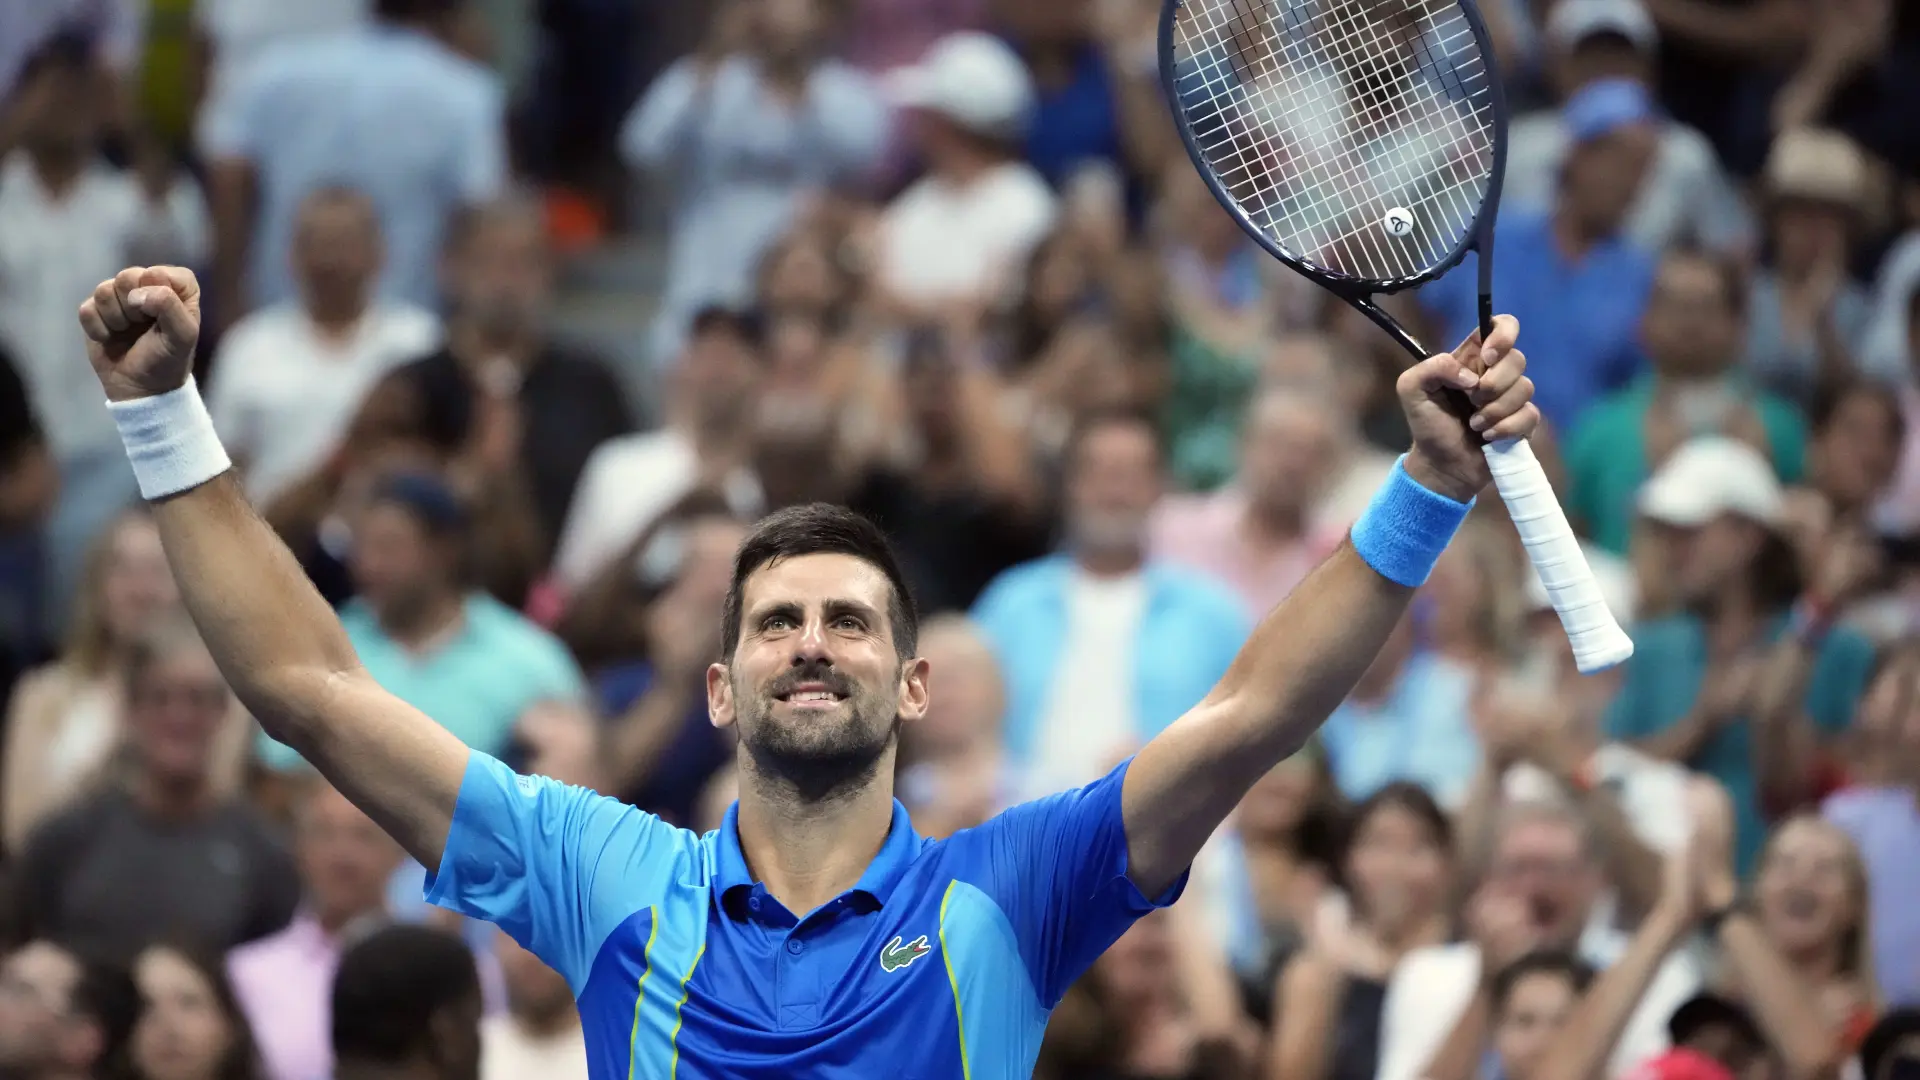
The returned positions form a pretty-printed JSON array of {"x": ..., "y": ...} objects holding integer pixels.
[{"x": 732, "y": 878}]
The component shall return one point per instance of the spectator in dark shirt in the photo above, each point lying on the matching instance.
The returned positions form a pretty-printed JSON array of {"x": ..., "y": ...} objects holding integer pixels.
[
  {"x": 28, "y": 482},
  {"x": 155, "y": 853},
  {"x": 529, "y": 403}
]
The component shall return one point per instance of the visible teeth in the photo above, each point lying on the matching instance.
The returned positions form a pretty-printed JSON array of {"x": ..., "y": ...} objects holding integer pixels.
[{"x": 814, "y": 695}]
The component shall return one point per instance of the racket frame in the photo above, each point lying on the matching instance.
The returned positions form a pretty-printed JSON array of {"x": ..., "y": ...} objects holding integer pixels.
[{"x": 1360, "y": 292}]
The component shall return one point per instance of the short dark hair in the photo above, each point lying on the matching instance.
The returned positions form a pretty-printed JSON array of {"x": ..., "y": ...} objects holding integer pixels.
[
  {"x": 107, "y": 995},
  {"x": 1119, "y": 416},
  {"x": 821, "y": 529},
  {"x": 1402, "y": 795},
  {"x": 389, "y": 986},
  {"x": 1829, "y": 396},
  {"x": 1559, "y": 962},
  {"x": 742, "y": 323}
]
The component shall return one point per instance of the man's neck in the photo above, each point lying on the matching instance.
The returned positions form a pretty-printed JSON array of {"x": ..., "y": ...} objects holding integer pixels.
[
  {"x": 172, "y": 798},
  {"x": 1573, "y": 239},
  {"x": 541, "y": 1026},
  {"x": 58, "y": 171},
  {"x": 470, "y": 344},
  {"x": 1110, "y": 563},
  {"x": 808, "y": 851},
  {"x": 337, "y": 320},
  {"x": 419, "y": 630},
  {"x": 1273, "y": 526}
]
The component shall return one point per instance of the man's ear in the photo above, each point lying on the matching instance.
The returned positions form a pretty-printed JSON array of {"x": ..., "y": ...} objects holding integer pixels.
[
  {"x": 720, "y": 704},
  {"x": 914, "y": 689}
]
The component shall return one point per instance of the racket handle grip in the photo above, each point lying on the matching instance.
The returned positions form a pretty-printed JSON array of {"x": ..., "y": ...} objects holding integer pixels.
[{"x": 1598, "y": 641}]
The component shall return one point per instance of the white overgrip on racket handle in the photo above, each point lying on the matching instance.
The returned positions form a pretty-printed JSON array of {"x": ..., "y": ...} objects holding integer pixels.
[{"x": 1598, "y": 641}]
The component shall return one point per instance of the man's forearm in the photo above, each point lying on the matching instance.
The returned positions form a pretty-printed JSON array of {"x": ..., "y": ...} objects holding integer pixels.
[
  {"x": 1581, "y": 1048},
  {"x": 277, "y": 641}
]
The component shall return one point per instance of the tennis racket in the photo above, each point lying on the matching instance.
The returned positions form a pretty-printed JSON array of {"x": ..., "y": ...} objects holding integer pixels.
[{"x": 1361, "y": 142}]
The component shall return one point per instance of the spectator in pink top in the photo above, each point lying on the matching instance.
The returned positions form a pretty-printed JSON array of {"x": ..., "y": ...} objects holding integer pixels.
[
  {"x": 1283, "y": 513},
  {"x": 284, "y": 982}
]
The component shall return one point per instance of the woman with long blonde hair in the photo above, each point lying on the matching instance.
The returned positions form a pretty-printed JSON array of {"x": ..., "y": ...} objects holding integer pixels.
[{"x": 63, "y": 722}]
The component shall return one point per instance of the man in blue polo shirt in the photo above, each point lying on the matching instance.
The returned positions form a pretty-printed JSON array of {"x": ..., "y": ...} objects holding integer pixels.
[{"x": 814, "y": 934}]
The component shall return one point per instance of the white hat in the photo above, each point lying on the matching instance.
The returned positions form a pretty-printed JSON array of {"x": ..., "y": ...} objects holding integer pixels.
[
  {"x": 1814, "y": 163},
  {"x": 1619, "y": 589},
  {"x": 1574, "y": 21},
  {"x": 1709, "y": 477},
  {"x": 971, "y": 78}
]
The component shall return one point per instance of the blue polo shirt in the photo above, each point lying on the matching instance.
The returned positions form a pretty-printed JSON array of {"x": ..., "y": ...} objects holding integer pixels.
[{"x": 943, "y": 961}]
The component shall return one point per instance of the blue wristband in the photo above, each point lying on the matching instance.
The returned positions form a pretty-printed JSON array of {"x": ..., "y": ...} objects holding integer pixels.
[{"x": 1406, "y": 527}]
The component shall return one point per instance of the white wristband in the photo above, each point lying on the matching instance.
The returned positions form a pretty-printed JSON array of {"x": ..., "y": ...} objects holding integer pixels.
[{"x": 170, "y": 440}]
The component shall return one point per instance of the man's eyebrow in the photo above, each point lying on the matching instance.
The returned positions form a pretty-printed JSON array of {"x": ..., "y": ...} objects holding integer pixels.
[
  {"x": 787, "y": 608},
  {"x": 851, "y": 607}
]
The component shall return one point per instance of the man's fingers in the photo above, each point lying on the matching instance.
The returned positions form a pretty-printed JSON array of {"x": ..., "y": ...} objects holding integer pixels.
[
  {"x": 178, "y": 278},
  {"x": 1502, "y": 405},
  {"x": 106, "y": 303},
  {"x": 165, "y": 307},
  {"x": 1517, "y": 426},
  {"x": 1499, "y": 377},
  {"x": 1438, "y": 373},
  {"x": 90, "y": 322},
  {"x": 1506, "y": 331}
]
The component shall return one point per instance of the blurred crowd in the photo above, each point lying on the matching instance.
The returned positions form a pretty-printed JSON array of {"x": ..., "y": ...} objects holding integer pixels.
[{"x": 944, "y": 261}]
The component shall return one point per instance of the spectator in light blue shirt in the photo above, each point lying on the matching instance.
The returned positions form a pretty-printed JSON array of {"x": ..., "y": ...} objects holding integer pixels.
[
  {"x": 1100, "y": 648},
  {"x": 1407, "y": 719},
  {"x": 468, "y": 662},
  {"x": 391, "y": 110},
  {"x": 742, "y": 136},
  {"x": 1570, "y": 275}
]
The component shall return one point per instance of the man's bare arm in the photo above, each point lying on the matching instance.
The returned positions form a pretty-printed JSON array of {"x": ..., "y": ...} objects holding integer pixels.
[
  {"x": 1305, "y": 657},
  {"x": 276, "y": 641}
]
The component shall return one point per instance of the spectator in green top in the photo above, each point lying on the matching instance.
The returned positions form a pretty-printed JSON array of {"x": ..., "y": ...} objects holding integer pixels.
[{"x": 1692, "y": 334}]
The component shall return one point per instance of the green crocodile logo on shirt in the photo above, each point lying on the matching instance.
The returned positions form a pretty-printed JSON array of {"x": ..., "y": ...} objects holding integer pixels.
[{"x": 896, "y": 955}]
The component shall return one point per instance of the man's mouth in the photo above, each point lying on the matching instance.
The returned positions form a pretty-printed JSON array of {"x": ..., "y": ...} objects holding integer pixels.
[{"x": 810, "y": 694}]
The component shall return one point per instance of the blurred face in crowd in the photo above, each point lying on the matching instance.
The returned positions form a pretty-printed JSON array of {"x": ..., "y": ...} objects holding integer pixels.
[
  {"x": 1291, "y": 444},
  {"x": 66, "y": 103},
  {"x": 787, "y": 30},
  {"x": 801, "y": 276},
  {"x": 1536, "y": 1007},
  {"x": 500, "y": 275},
  {"x": 1858, "y": 450},
  {"x": 1138, "y": 969},
  {"x": 1705, "y": 561},
  {"x": 135, "y": 583},
  {"x": 183, "y": 1033},
  {"x": 1398, "y": 868},
  {"x": 1692, "y": 327},
  {"x": 1600, "y": 56},
  {"x": 535, "y": 992},
  {"x": 1602, "y": 177},
  {"x": 1113, "y": 481},
  {"x": 336, "y": 252},
  {"x": 814, "y": 681},
  {"x": 970, "y": 701},
  {"x": 345, "y": 860},
  {"x": 175, "y": 708},
  {"x": 39, "y": 1031},
  {"x": 399, "y": 566},
  {"x": 1808, "y": 889},
  {"x": 1542, "y": 859},
  {"x": 1278, "y": 802},
  {"x": 717, "y": 374},
  {"x": 1810, "y": 233}
]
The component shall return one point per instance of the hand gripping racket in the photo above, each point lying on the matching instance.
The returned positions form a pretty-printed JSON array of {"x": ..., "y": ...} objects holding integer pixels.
[{"x": 1361, "y": 142}]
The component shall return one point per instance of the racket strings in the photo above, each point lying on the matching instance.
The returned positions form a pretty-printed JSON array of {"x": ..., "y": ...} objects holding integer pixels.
[{"x": 1319, "y": 116}]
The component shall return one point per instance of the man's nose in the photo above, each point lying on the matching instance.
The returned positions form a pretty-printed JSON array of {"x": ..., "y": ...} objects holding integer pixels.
[{"x": 811, "y": 644}]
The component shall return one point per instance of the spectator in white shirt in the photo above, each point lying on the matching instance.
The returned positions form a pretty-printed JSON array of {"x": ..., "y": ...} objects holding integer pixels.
[
  {"x": 957, "y": 238},
  {"x": 539, "y": 1035},
  {"x": 1543, "y": 878},
  {"x": 288, "y": 378},
  {"x": 69, "y": 220}
]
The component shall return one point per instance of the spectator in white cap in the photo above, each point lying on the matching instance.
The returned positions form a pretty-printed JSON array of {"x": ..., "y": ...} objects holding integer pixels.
[
  {"x": 1686, "y": 194},
  {"x": 1747, "y": 678},
  {"x": 954, "y": 240},
  {"x": 1807, "y": 316}
]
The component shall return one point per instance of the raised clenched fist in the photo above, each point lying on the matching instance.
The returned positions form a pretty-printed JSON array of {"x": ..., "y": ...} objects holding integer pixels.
[{"x": 142, "y": 326}]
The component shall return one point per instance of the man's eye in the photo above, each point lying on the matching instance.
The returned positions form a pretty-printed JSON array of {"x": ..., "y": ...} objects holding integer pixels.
[
  {"x": 848, "y": 622},
  {"x": 777, "y": 622}
]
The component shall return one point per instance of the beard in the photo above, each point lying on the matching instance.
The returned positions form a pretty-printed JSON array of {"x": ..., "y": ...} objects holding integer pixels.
[{"x": 820, "y": 756}]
